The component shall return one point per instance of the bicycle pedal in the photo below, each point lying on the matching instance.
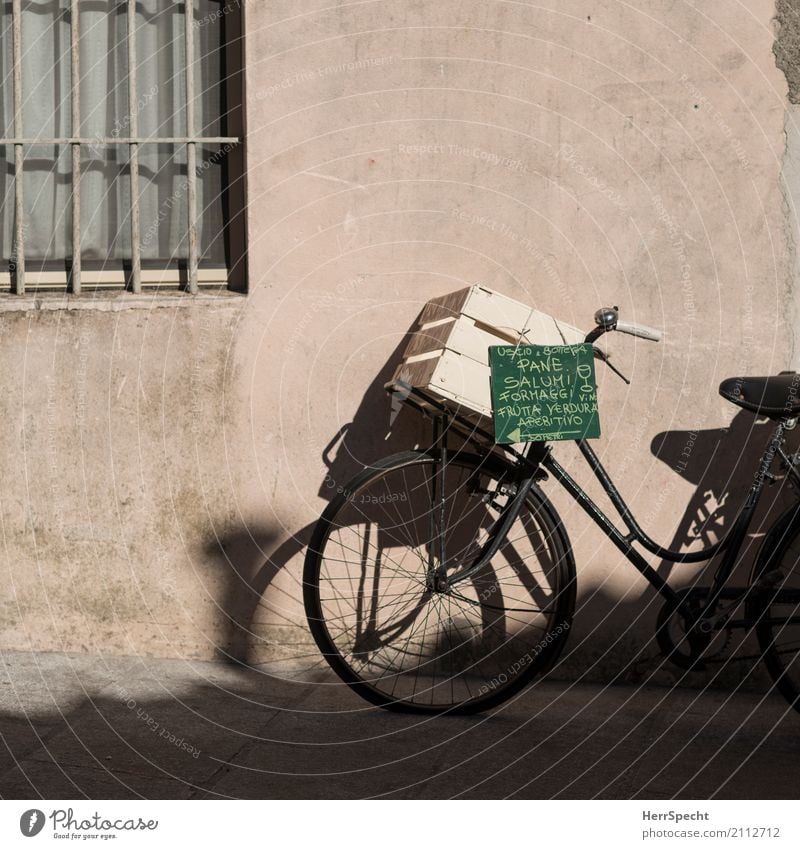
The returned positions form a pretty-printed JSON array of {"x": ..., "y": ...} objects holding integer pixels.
[
  {"x": 491, "y": 497},
  {"x": 488, "y": 498}
]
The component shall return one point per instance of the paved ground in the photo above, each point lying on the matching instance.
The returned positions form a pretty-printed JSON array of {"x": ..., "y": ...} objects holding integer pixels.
[{"x": 101, "y": 727}]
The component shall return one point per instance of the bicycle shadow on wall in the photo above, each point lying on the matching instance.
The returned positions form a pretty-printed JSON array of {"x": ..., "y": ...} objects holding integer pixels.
[
  {"x": 381, "y": 425},
  {"x": 720, "y": 464}
]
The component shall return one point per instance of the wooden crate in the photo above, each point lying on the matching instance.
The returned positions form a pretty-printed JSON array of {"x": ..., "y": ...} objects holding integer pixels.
[{"x": 446, "y": 359}]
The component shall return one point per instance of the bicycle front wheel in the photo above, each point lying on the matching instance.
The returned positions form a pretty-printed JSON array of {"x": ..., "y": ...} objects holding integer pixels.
[{"x": 400, "y": 643}]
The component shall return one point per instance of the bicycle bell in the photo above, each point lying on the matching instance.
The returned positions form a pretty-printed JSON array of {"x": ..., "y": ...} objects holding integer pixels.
[{"x": 606, "y": 317}]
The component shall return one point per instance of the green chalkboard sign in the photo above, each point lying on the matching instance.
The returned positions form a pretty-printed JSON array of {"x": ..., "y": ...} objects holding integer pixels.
[{"x": 542, "y": 393}]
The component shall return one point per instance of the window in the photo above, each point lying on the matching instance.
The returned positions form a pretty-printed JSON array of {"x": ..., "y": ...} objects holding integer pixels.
[{"x": 120, "y": 144}]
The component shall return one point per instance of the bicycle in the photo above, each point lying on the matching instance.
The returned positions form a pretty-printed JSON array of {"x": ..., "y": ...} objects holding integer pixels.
[{"x": 443, "y": 580}]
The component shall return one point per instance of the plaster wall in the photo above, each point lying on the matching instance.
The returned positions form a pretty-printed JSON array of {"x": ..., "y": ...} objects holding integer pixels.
[{"x": 163, "y": 463}]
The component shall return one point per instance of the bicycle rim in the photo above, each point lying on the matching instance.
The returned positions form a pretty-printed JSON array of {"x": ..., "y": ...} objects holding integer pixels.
[{"x": 394, "y": 640}]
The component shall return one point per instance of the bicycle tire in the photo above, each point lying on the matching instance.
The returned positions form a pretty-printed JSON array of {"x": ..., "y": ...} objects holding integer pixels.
[
  {"x": 444, "y": 663},
  {"x": 774, "y": 594}
]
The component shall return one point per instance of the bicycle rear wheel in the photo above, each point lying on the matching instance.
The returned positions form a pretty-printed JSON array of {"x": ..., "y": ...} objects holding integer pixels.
[
  {"x": 773, "y": 602},
  {"x": 402, "y": 645}
]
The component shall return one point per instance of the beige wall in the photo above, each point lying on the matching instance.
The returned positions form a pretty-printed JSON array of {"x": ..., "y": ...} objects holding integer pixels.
[{"x": 570, "y": 155}]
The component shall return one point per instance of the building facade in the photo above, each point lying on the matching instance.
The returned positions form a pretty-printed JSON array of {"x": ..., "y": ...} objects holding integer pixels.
[{"x": 175, "y": 427}]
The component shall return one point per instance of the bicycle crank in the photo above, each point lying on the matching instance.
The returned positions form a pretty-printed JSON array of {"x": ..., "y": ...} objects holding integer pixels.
[{"x": 684, "y": 637}]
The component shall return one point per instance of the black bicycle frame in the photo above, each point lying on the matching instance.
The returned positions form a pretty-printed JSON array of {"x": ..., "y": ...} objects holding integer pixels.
[
  {"x": 730, "y": 544},
  {"x": 539, "y": 454}
]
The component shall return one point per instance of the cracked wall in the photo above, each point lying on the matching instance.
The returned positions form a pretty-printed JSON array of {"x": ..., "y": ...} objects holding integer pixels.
[
  {"x": 787, "y": 44},
  {"x": 787, "y": 58}
]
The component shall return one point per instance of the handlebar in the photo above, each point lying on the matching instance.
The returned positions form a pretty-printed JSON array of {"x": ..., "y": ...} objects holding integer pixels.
[
  {"x": 607, "y": 318},
  {"x": 640, "y": 330}
]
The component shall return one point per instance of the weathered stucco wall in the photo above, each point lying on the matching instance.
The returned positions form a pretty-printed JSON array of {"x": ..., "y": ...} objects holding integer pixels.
[
  {"x": 571, "y": 155},
  {"x": 115, "y": 476}
]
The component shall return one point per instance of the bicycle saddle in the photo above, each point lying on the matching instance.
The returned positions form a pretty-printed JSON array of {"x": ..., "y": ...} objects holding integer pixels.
[{"x": 775, "y": 397}]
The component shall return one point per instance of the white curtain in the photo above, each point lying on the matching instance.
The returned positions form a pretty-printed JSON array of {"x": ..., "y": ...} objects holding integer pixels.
[{"x": 161, "y": 112}]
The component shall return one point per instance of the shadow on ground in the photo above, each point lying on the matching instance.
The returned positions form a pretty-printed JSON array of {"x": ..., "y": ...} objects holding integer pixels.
[{"x": 95, "y": 727}]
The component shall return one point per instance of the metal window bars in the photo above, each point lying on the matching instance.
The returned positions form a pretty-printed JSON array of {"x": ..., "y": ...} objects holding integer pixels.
[{"x": 76, "y": 141}]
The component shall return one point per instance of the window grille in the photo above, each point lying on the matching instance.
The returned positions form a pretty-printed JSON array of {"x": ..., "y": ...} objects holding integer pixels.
[{"x": 202, "y": 20}]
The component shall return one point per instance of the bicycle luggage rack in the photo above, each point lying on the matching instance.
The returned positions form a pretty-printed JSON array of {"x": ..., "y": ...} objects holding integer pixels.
[{"x": 431, "y": 407}]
